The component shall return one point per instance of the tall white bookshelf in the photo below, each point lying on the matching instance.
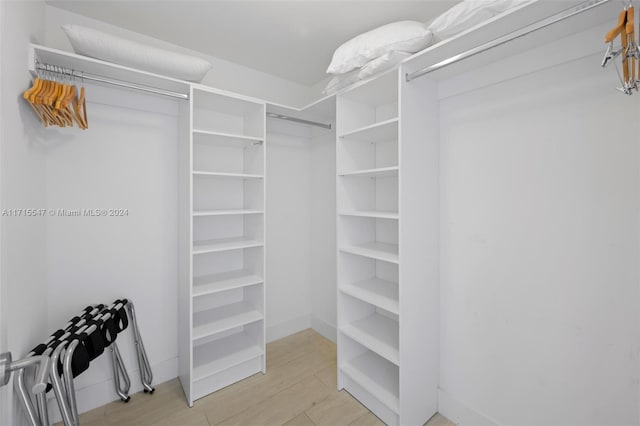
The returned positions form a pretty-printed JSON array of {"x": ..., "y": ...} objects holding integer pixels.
[
  {"x": 387, "y": 201},
  {"x": 222, "y": 241}
]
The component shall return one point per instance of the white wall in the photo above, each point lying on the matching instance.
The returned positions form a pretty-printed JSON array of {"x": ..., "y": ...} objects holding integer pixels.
[
  {"x": 127, "y": 159},
  {"x": 24, "y": 281},
  {"x": 316, "y": 89},
  {"x": 4, "y": 393},
  {"x": 224, "y": 74},
  {"x": 323, "y": 233},
  {"x": 288, "y": 229},
  {"x": 301, "y": 253},
  {"x": 539, "y": 250}
]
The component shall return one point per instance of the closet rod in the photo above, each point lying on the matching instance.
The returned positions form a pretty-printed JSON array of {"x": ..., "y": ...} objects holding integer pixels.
[
  {"x": 298, "y": 120},
  {"x": 561, "y": 16},
  {"x": 71, "y": 73}
]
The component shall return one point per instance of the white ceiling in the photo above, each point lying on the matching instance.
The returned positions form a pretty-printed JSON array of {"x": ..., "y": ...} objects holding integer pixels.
[{"x": 290, "y": 39}]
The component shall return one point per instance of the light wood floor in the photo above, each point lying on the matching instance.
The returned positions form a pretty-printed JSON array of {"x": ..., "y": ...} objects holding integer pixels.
[{"x": 299, "y": 389}]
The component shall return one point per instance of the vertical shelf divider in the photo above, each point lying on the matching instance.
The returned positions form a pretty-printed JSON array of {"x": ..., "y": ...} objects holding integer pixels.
[
  {"x": 387, "y": 247},
  {"x": 222, "y": 249}
]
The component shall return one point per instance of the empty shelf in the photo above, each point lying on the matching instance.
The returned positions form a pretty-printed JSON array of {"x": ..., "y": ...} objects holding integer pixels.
[
  {"x": 378, "y": 333},
  {"x": 379, "y": 132},
  {"x": 214, "y": 357},
  {"x": 226, "y": 212},
  {"x": 228, "y": 136},
  {"x": 378, "y": 292},
  {"x": 228, "y": 175},
  {"x": 375, "y": 250},
  {"x": 216, "y": 320},
  {"x": 379, "y": 172},
  {"x": 378, "y": 376},
  {"x": 214, "y": 283},
  {"x": 371, "y": 213},
  {"x": 224, "y": 244}
]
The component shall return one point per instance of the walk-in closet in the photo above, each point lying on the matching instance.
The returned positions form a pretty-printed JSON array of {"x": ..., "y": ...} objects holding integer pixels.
[{"x": 320, "y": 213}]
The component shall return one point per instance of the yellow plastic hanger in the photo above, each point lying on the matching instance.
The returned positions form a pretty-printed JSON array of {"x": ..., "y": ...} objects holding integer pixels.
[
  {"x": 617, "y": 30},
  {"x": 82, "y": 102},
  {"x": 27, "y": 96}
]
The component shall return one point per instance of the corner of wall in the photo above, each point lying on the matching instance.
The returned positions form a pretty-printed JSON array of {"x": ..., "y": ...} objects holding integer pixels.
[
  {"x": 459, "y": 413},
  {"x": 22, "y": 183},
  {"x": 286, "y": 328},
  {"x": 325, "y": 329}
]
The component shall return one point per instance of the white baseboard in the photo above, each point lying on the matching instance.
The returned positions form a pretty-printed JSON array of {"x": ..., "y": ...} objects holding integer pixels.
[
  {"x": 460, "y": 413},
  {"x": 284, "y": 329},
  {"x": 99, "y": 394},
  {"x": 325, "y": 329}
]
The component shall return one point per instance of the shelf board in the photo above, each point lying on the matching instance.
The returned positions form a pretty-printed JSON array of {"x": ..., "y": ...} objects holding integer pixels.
[
  {"x": 219, "y": 355},
  {"x": 212, "y": 321},
  {"x": 224, "y": 244},
  {"x": 379, "y": 90},
  {"x": 377, "y": 333},
  {"x": 503, "y": 24},
  {"x": 205, "y": 137},
  {"x": 379, "y": 172},
  {"x": 232, "y": 136},
  {"x": 376, "y": 375},
  {"x": 105, "y": 69},
  {"x": 376, "y": 291},
  {"x": 371, "y": 213},
  {"x": 228, "y": 175},
  {"x": 214, "y": 283},
  {"x": 374, "y": 250},
  {"x": 231, "y": 212},
  {"x": 378, "y": 132},
  {"x": 225, "y": 102}
]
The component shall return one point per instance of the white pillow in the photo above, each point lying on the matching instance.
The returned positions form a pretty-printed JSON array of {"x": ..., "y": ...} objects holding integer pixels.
[
  {"x": 468, "y": 14},
  {"x": 383, "y": 63},
  {"x": 340, "y": 81},
  {"x": 107, "y": 47},
  {"x": 408, "y": 36},
  {"x": 371, "y": 68}
]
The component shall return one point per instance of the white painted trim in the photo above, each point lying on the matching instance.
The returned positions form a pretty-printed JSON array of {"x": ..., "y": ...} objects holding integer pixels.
[
  {"x": 6, "y": 396},
  {"x": 460, "y": 413},
  {"x": 99, "y": 394},
  {"x": 325, "y": 329},
  {"x": 286, "y": 328}
]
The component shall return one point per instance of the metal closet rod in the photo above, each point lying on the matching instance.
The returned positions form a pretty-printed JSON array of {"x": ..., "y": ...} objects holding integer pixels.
[
  {"x": 71, "y": 73},
  {"x": 298, "y": 120},
  {"x": 561, "y": 16}
]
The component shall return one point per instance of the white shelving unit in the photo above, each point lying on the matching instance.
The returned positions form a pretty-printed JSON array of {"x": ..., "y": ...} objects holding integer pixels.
[
  {"x": 386, "y": 284},
  {"x": 222, "y": 241}
]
